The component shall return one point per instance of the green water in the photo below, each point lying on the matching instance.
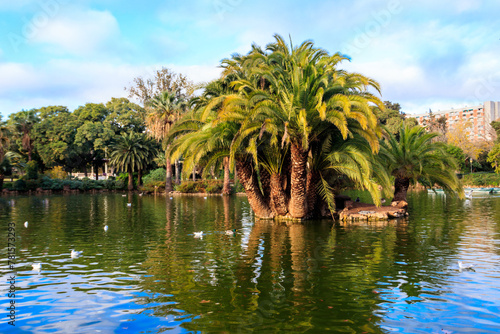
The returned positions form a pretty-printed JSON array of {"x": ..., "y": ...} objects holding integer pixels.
[{"x": 149, "y": 274}]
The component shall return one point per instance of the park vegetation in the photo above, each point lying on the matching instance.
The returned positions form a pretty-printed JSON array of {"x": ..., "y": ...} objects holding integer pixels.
[{"x": 285, "y": 124}]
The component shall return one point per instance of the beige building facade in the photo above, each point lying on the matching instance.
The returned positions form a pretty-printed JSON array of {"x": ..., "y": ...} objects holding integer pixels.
[{"x": 478, "y": 119}]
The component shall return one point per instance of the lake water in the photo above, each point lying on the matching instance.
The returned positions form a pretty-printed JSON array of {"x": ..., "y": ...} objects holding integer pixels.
[{"x": 148, "y": 273}]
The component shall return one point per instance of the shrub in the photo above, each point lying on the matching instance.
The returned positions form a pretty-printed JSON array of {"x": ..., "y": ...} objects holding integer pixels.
[
  {"x": 57, "y": 173},
  {"x": 191, "y": 187},
  {"x": 238, "y": 188},
  {"x": 31, "y": 170},
  {"x": 214, "y": 187},
  {"x": 157, "y": 175},
  {"x": 20, "y": 185},
  {"x": 159, "y": 186}
]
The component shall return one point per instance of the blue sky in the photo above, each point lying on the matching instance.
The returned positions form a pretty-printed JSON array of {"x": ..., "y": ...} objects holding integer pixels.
[{"x": 425, "y": 53}]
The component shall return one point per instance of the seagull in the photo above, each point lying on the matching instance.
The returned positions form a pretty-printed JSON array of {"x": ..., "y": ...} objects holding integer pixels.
[
  {"x": 382, "y": 200},
  {"x": 170, "y": 197},
  {"x": 129, "y": 204},
  {"x": 105, "y": 228},
  {"x": 462, "y": 266},
  {"x": 124, "y": 195},
  {"x": 26, "y": 224},
  {"x": 37, "y": 266},
  {"x": 75, "y": 253},
  {"x": 230, "y": 232},
  {"x": 141, "y": 194},
  {"x": 198, "y": 234},
  {"x": 469, "y": 193},
  {"x": 205, "y": 197}
]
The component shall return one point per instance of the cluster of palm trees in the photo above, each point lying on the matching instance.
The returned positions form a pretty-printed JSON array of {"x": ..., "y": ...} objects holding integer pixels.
[{"x": 295, "y": 128}]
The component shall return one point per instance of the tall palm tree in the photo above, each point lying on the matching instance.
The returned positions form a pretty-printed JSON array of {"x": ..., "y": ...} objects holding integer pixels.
[
  {"x": 129, "y": 154},
  {"x": 415, "y": 157},
  {"x": 22, "y": 123},
  {"x": 164, "y": 109},
  {"x": 300, "y": 95}
]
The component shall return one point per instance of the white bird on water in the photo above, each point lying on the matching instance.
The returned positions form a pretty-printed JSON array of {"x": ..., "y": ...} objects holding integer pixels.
[
  {"x": 26, "y": 224},
  {"x": 468, "y": 194},
  {"x": 75, "y": 253},
  {"x": 129, "y": 204},
  {"x": 37, "y": 266},
  {"x": 230, "y": 232},
  {"x": 462, "y": 266},
  {"x": 124, "y": 195},
  {"x": 198, "y": 234},
  {"x": 105, "y": 228}
]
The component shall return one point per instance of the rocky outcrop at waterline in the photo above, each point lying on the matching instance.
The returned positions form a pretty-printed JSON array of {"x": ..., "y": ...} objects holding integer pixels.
[{"x": 354, "y": 211}]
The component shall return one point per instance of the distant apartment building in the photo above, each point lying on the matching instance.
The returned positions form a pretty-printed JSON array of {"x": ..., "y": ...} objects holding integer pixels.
[{"x": 477, "y": 117}]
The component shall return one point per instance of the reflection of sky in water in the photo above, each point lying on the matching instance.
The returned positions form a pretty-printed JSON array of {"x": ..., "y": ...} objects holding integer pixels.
[{"x": 148, "y": 273}]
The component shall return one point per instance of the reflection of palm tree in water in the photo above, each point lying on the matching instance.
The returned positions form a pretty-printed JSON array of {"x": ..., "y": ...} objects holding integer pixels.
[{"x": 298, "y": 250}]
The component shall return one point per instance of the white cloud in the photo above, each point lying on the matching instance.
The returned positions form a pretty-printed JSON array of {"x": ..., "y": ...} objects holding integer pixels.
[
  {"x": 82, "y": 32},
  {"x": 72, "y": 83}
]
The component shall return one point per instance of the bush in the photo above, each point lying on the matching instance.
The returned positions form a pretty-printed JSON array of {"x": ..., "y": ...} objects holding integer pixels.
[
  {"x": 191, "y": 187},
  {"x": 57, "y": 173},
  {"x": 31, "y": 170},
  {"x": 20, "y": 185},
  {"x": 481, "y": 179},
  {"x": 214, "y": 187},
  {"x": 159, "y": 186},
  {"x": 238, "y": 188},
  {"x": 158, "y": 175},
  {"x": 208, "y": 186},
  {"x": 120, "y": 184}
]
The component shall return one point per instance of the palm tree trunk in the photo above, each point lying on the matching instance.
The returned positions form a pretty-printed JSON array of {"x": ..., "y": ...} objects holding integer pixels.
[
  {"x": 177, "y": 171},
  {"x": 130, "y": 179},
  {"x": 168, "y": 177},
  {"x": 278, "y": 195},
  {"x": 401, "y": 186},
  {"x": 139, "y": 177},
  {"x": 249, "y": 180},
  {"x": 312, "y": 196},
  {"x": 298, "y": 193},
  {"x": 226, "y": 189}
]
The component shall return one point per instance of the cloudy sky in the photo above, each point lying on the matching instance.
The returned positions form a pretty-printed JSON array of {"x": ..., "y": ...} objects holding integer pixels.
[{"x": 425, "y": 53}]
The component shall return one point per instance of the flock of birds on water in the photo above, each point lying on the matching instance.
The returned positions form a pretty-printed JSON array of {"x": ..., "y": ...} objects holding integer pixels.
[
  {"x": 74, "y": 254},
  {"x": 199, "y": 235}
]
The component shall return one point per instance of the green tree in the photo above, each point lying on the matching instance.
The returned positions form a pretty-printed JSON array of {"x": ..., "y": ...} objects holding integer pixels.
[
  {"x": 54, "y": 135},
  {"x": 416, "y": 157},
  {"x": 125, "y": 116},
  {"x": 129, "y": 154},
  {"x": 4, "y": 146},
  {"x": 93, "y": 135},
  {"x": 22, "y": 124},
  {"x": 163, "y": 110},
  {"x": 494, "y": 157}
]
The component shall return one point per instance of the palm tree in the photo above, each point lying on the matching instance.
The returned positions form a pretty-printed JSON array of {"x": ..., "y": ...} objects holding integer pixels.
[
  {"x": 297, "y": 95},
  {"x": 164, "y": 109},
  {"x": 4, "y": 145},
  {"x": 203, "y": 140},
  {"x": 415, "y": 157},
  {"x": 22, "y": 123},
  {"x": 129, "y": 154}
]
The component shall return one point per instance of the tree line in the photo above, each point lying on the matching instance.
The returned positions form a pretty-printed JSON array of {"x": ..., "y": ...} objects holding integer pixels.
[{"x": 286, "y": 121}]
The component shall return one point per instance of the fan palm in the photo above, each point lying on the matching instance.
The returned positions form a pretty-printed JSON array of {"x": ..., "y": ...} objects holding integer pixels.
[
  {"x": 415, "y": 157},
  {"x": 130, "y": 153}
]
